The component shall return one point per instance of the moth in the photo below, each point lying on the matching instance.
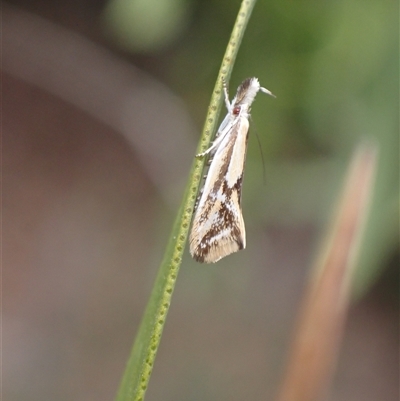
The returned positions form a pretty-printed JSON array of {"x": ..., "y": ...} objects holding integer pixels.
[{"x": 218, "y": 226}]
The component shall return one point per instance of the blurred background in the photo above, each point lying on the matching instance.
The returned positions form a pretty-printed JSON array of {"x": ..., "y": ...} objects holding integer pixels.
[{"x": 103, "y": 104}]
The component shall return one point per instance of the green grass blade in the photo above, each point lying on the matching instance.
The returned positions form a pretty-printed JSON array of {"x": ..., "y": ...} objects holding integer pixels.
[{"x": 140, "y": 364}]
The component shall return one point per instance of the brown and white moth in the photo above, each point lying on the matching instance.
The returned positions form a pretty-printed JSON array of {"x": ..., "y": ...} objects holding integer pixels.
[{"x": 218, "y": 226}]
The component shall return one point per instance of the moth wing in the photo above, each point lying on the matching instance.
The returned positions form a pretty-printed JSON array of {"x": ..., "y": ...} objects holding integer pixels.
[{"x": 218, "y": 226}]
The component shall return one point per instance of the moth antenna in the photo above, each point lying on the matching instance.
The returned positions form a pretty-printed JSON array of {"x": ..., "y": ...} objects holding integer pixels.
[{"x": 262, "y": 158}]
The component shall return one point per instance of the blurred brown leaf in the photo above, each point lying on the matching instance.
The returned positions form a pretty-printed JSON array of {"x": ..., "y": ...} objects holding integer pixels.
[{"x": 319, "y": 331}]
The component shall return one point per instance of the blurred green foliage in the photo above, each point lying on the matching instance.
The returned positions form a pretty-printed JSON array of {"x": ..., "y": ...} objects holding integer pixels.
[{"x": 145, "y": 25}]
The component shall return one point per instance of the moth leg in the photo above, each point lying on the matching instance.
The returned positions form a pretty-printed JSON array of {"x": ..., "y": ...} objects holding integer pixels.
[
  {"x": 218, "y": 137},
  {"x": 226, "y": 95},
  {"x": 209, "y": 150}
]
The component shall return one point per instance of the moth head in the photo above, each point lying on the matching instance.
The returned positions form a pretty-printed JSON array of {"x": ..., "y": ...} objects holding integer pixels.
[{"x": 246, "y": 93}]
